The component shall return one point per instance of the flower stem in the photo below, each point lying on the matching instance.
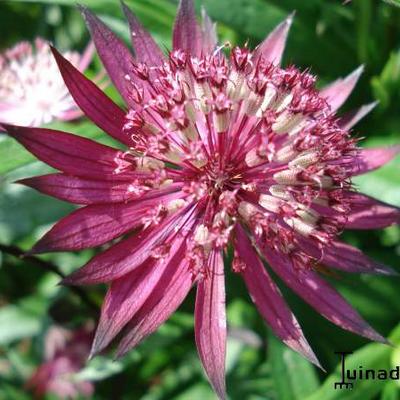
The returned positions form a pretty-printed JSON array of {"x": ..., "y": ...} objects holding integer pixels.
[{"x": 19, "y": 253}]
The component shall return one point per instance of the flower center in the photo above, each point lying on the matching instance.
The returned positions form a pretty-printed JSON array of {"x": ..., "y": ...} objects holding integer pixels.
[{"x": 255, "y": 143}]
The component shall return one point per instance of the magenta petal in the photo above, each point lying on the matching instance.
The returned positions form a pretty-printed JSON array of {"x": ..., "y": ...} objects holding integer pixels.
[
  {"x": 146, "y": 49},
  {"x": 187, "y": 34},
  {"x": 128, "y": 254},
  {"x": 273, "y": 46},
  {"x": 268, "y": 299},
  {"x": 369, "y": 213},
  {"x": 209, "y": 33},
  {"x": 79, "y": 190},
  {"x": 320, "y": 295},
  {"x": 128, "y": 293},
  {"x": 124, "y": 297},
  {"x": 90, "y": 191},
  {"x": 350, "y": 119},
  {"x": 94, "y": 103},
  {"x": 210, "y": 323},
  {"x": 337, "y": 92},
  {"x": 116, "y": 58},
  {"x": 92, "y": 226},
  {"x": 370, "y": 159},
  {"x": 342, "y": 256},
  {"x": 69, "y": 153},
  {"x": 167, "y": 296},
  {"x": 347, "y": 258}
]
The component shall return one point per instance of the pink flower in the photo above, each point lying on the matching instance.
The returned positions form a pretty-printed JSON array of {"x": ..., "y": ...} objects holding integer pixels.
[
  {"x": 32, "y": 91},
  {"x": 220, "y": 150},
  {"x": 65, "y": 354}
]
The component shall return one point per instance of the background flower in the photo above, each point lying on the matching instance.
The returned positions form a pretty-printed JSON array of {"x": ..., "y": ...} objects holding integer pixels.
[
  {"x": 65, "y": 355},
  {"x": 32, "y": 92}
]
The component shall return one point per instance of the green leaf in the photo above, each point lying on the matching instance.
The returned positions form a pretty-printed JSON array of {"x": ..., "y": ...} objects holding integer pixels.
[
  {"x": 294, "y": 377},
  {"x": 98, "y": 369},
  {"x": 21, "y": 320},
  {"x": 384, "y": 182},
  {"x": 386, "y": 86},
  {"x": 390, "y": 391},
  {"x": 372, "y": 356}
]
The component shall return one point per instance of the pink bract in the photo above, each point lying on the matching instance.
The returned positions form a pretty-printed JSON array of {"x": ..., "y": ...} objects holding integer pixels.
[{"x": 221, "y": 150}]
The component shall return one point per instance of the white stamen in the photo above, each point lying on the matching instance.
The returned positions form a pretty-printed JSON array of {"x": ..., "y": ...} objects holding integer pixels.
[
  {"x": 280, "y": 191},
  {"x": 300, "y": 226},
  {"x": 287, "y": 177},
  {"x": 282, "y": 102},
  {"x": 270, "y": 203},
  {"x": 286, "y": 122},
  {"x": 247, "y": 210}
]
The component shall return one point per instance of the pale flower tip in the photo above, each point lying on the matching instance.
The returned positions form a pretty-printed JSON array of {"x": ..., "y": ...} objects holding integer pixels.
[
  {"x": 357, "y": 72},
  {"x": 290, "y": 18},
  {"x": 314, "y": 360},
  {"x": 91, "y": 355},
  {"x": 97, "y": 345},
  {"x": 375, "y": 336}
]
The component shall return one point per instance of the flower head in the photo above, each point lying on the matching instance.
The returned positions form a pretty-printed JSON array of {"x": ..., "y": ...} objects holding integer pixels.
[
  {"x": 65, "y": 354},
  {"x": 32, "y": 91},
  {"x": 221, "y": 150}
]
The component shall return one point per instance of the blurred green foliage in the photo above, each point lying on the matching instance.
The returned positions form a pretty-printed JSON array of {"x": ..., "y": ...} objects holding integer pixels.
[{"x": 329, "y": 38}]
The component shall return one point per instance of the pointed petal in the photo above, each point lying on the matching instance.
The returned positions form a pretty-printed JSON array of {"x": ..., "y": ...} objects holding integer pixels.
[
  {"x": 79, "y": 190},
  {"x": 337, "y": 92},
  {"x": 187, "y": 34},
  {"x": 369, "y": 213},
  {"x": 89, "y": 191},
  {"x": 167, "y": 296},
  {"x": 370, "y": 159},
  {"x": 347, "y": 258},
  {"x": 128, "y": 294},
  {"x": 94, "y": 103},
  {"x": 273, "y": 46},
  {"x": 342, "y": 256},
  {"x": 116, "y": 58},
  {"x": 92, "y": 226},
  {"x": 210, "y": 323},
  {"x": 146, "y": 49},
  {"x": 350, "y": 119},
  {"x": 69, "y": 153},
  {"x": 124, "y": 297},
  {"x": 209, "y": 33},
  {"x": 320, "y": 295},
  {"x": 128, "y": 254},
  {"x": 268, "y": 299}
]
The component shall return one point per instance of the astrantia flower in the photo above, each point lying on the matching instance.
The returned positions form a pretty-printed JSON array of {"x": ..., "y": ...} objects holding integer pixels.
[
  {"x": 32, "y": 91},
  {"x": 221, "y": 150},
  {"x": 65, "y": 355}
]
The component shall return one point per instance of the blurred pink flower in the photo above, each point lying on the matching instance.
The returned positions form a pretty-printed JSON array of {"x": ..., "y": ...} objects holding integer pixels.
[
  {"x": 66, "y": 353},
  {"x": 32, "y": 91},
  {"x": 221, "y": 151}
]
